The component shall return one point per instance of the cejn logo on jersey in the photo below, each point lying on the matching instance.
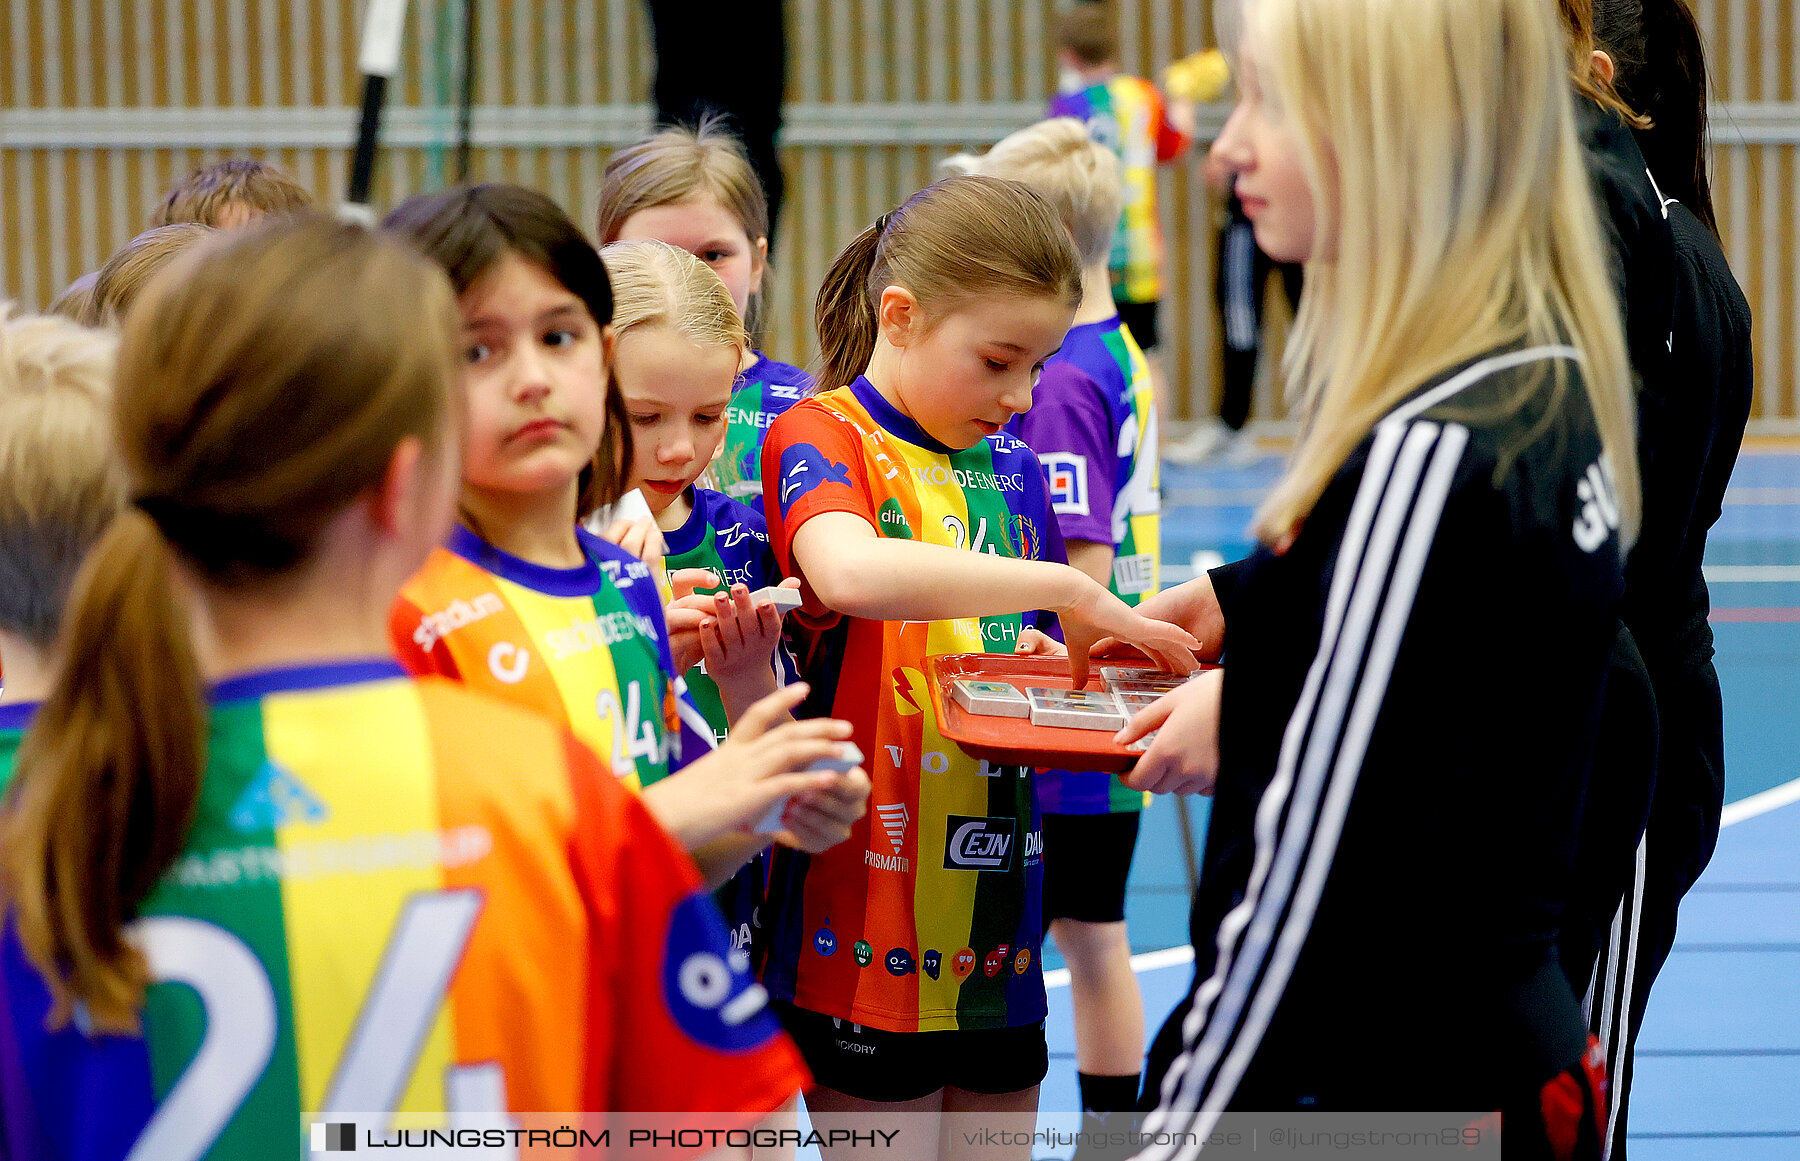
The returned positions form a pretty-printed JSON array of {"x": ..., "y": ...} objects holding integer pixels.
[
  {"x": 1599, "y": 515},
  {"x": 978, "y": 844}
]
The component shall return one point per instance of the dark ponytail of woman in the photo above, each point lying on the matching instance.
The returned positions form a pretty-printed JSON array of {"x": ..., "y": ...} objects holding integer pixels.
[{"x": 1661, "y": 65}]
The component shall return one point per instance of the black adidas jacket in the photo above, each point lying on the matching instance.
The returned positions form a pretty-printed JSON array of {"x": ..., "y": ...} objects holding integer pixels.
[{"x": 1408, "y": 716}]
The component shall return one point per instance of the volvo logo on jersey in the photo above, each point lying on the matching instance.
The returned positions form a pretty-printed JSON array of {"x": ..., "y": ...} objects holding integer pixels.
[{"x": 978, "y": 844}]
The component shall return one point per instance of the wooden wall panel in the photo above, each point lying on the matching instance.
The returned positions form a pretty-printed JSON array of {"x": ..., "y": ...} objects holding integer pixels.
[{"x": 104, "y": 103}]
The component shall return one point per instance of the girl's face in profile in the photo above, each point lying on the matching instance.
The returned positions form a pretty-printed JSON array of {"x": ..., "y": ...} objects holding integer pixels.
[{"x": 1260, "y": 145}]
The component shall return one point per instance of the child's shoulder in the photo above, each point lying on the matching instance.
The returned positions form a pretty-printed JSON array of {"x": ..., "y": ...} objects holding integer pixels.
[
  {"x": 620, "y": 567},
  {"x": 721, "y": 511},
  {"x": 767, "y": 370}
]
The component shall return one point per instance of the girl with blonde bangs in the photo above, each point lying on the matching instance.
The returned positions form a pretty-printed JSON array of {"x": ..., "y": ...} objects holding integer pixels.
[
  {"x": 677, "y": 349},
  {"x": 227, "y": 711},
  {"x": 1400, "y": 741}
]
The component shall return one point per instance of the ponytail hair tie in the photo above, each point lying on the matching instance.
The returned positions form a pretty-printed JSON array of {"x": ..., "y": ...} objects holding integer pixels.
[{"x": 881, "y": 223}]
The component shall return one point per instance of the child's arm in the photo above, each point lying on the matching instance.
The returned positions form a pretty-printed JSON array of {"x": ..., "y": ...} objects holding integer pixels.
[
  {"x": 857, "y": 573},
  {"x": 1093, "y": 558}
]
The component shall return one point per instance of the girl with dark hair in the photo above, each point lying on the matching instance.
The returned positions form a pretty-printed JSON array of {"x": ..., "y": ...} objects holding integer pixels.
[
  {"x": 523, "y": 602},
  {"x": 1691, "y": 350}
]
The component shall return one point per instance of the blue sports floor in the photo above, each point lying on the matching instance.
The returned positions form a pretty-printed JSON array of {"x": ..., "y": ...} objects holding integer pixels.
[{"x": 1718, "y": 1072}]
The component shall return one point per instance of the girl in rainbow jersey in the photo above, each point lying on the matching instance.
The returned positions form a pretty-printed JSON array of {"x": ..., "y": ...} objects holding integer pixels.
[
  {"x": 524, "y": 603},
  {"x": 919, "y": 527}
]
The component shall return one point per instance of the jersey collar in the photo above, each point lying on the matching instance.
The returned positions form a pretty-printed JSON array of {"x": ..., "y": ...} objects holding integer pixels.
[
  {"x": 889, "y": 417},
  {"x": 692, "y": 531},
  {"x": 293, "y": 678},
  {"x": 581, "y": 581}
]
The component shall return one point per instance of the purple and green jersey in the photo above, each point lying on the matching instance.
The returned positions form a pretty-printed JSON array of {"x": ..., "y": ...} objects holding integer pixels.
[
  {"x": 1092, "y": 424},
  {"x": 732, "y": 540},
  {"x": 761, "y": 393}
]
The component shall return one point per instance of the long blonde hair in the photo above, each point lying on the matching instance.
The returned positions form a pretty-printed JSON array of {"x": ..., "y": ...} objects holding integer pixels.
[
  {"x": 1462, "y": 212},
  {"x": 263, "y": 384}
]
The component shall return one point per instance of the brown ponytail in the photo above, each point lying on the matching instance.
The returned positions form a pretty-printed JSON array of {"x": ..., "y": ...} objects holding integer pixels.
[
  {"x": 964, "y": 237},
  {"x": 842, "y": 314},
  {"x": 107, "y": 788},
  {"x": 264, "y": 381}
]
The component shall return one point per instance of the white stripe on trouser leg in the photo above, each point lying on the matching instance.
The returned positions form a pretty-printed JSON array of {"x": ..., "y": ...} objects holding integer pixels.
[
  {"x": 1370, "y": 688},
  {"x": 1240, "y": 301},
  {"x": 1371, "y": 692},
  {"x": 1336, "y": 666},
  {"x": 1615, "y": 1090},
  {"x": 1362, "y": 516}
]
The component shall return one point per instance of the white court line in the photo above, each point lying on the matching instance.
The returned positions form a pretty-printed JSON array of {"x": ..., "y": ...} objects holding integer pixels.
[
  {"x": 1774, "y": 798},
  {"x": 1751, "y": 573},
  {"x": 1142, "y": 962}
]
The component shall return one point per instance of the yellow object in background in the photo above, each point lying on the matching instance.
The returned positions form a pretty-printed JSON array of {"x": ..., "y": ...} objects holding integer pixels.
[{"x": 1199, "y": 77}]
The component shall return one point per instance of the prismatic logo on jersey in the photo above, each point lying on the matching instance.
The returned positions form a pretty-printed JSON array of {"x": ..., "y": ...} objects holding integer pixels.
[
  {"x": 978, "y": 844},
  {"x": 893, "y": 818}
]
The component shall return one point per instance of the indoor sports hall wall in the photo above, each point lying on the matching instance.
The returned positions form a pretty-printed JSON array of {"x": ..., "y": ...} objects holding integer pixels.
[{"x": 103, "y": 103}]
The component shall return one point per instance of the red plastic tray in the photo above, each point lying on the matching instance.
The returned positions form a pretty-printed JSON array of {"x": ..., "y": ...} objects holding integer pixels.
[{"x": 1015, "y": 741}]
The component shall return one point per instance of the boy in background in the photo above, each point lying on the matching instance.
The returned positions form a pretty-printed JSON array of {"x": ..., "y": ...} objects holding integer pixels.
[
  {"x": 1130, "y": 116},
  {"x": 231, "y": 194}
]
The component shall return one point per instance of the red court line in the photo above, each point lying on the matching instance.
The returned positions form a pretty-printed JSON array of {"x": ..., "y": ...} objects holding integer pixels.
[{"x": 1764, "y": 616}]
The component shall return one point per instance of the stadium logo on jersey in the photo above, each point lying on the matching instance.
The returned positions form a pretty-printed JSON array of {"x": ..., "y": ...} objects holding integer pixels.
[
  {"x": 708, "y": 993},
  {"x": 329, "y": 1138},
  {"x": 909, "y": 691},
  {"x": 507, "y": 662},
  {"x": 276, "y": 798},
  {"x": 803, "y": 468},
  {"x": 978, "y": 844},
  {"x": 1599, "y": 516},
  {"x": 434, "y": 627},
  {"x": 1067, "y": 475},
  {"x": 892, "y": 519}
]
